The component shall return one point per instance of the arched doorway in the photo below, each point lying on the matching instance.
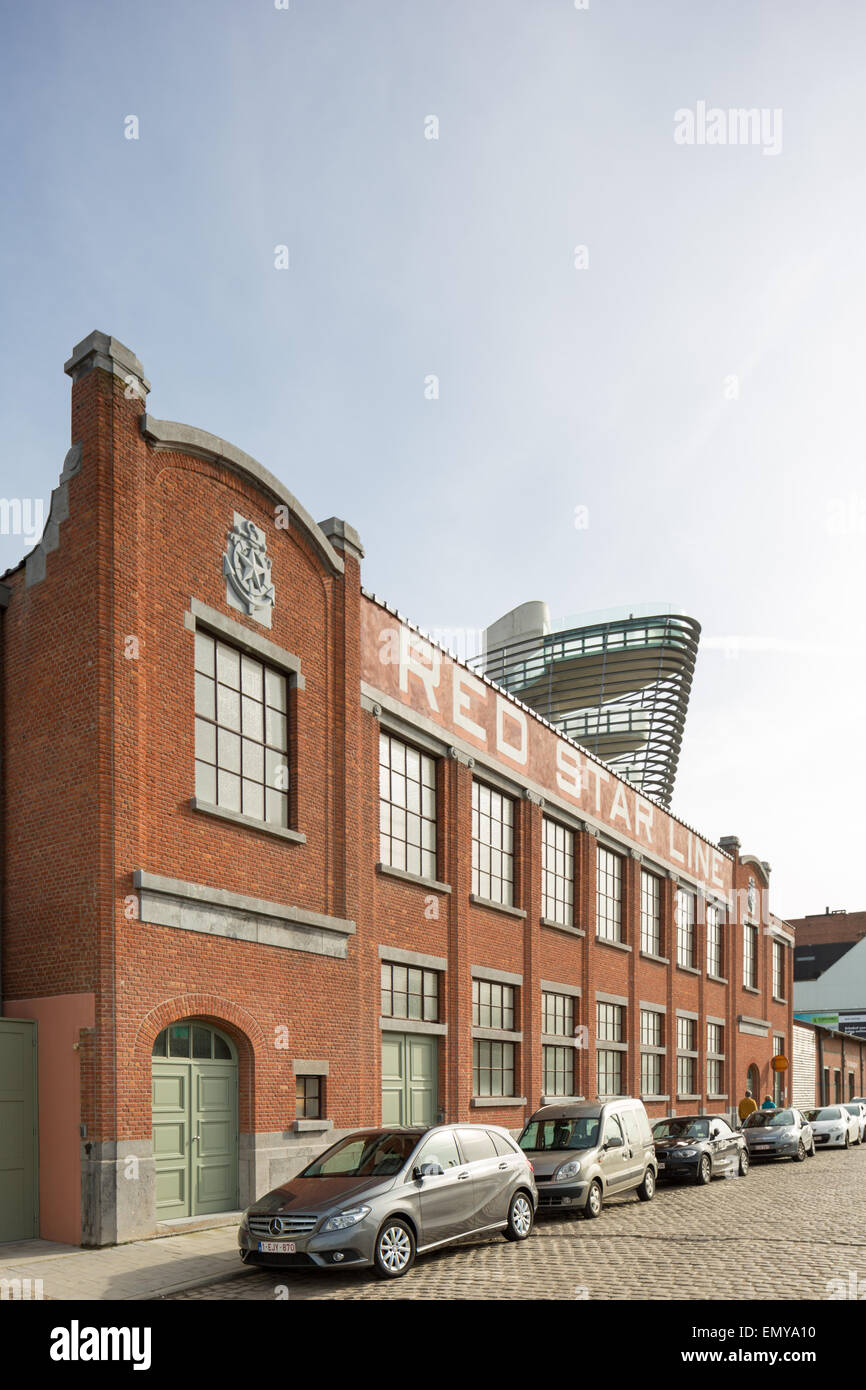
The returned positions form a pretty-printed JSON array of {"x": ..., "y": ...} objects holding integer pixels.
[
  {"x": 753, "y": 1083},
  {"x": 195, "y": 1120}
]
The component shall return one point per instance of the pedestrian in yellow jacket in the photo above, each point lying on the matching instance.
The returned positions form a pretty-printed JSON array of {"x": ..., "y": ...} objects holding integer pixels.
[{"x": 747, "y": 1106}]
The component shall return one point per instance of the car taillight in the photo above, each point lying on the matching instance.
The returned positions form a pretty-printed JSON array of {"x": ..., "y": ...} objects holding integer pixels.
[{"x": 531, "y": 1166}]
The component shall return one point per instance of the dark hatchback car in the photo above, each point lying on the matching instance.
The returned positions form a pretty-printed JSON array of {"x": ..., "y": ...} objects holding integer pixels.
[
  {"x": 698, "y": 1148},
  {"x": 379, "y": 1197}
]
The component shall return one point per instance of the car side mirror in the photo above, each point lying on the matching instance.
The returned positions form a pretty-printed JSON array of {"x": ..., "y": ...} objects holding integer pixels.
[
  {"x": 426, "y": 1170},
  {"x": 613, "y": 1143},
  {"x": 714, "y": 1133}
]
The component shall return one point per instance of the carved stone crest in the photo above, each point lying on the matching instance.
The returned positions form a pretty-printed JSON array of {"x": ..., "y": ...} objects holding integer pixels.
[{"x": 247, "y": 569}]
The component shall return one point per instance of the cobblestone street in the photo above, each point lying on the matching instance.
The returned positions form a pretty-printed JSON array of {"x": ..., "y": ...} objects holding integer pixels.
[{"x": 783, "y": 1232}]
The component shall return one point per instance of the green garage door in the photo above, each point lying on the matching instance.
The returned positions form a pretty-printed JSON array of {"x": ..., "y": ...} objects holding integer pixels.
[
  {"x": 19, "y": 1217},
  {"x": 195, "y": 1121},
  {"x": 409, "y": 1079}
]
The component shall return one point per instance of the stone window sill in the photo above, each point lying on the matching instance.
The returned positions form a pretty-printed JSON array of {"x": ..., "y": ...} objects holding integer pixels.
[
  {"x": 660, "y": 960},
  {"x": 717, "y": 979},
  {"x": 494, "y": 1102},
  {"x": 235, "y": 818},
  {"x": 717, "y": 1095},
  {"x": 615, "y": 945},
  {"x": 681, "y": 1095},
  {"x": 653, "y": 1099},
  {"x": 312, "y": 1126},
  {"x": 406, "y": 877},
  {"x": 751, "y": 989},
  {"x": 777, "y": 999},
  {"x": 561, "y": 1100},
  {"x": 497, "y": 907},
  {"x": 689, "y": 969},
  {"x": 412, "y": 1025},
  {"x": 562, "y": 926}
]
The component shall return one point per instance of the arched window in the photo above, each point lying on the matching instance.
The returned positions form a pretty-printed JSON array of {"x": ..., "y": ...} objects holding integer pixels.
[{"x": 190, "y": 1040}]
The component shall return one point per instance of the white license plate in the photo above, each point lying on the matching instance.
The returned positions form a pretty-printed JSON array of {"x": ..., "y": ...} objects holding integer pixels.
[
  {"x": 277, "y": 1247},
  {"x": 661, "y": 1165},
  {"x": 763, "y": 1146}
]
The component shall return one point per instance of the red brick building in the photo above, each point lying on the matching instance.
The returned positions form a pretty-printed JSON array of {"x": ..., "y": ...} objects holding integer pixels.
[{"x": 275, "y": 866}]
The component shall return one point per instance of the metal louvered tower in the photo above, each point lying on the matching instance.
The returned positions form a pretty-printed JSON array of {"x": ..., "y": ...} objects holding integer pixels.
[{"x": 618, "y": 683}]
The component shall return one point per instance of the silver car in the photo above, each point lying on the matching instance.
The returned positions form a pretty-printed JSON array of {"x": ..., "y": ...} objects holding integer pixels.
[
  {"x": 779, "y": 1134},
  {"x": 382, "y": 1196}
]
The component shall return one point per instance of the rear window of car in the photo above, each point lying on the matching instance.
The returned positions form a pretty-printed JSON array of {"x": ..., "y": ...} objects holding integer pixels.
[{"x": 476, "y": 1145}]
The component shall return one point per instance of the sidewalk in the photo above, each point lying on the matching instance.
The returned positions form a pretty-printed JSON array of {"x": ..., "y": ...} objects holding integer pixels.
[{"x": 142, "y": 1270}]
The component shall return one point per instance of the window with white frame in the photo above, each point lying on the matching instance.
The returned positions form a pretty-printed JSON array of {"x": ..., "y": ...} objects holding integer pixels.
[
  {"x": 715, "y": 1059},
  {"x": 608, "y": 895},
  {"x": 557, "y": 872},
  {"x": 778, "y": 970},
  {"x": 241, "y": 733},
  {"x": 750, "y": 956},
  {"x": 685, "y": 914},
  {"x": 652, "y": 1052},
  {"x": 650, "y": 913},
  {"x": 610, "y": 1028},
  {"x": 407, "y": 807},
  {"x": 492, "y": 845},
  {"x": 714, "y": 939},
  {"x": 557, "y": 1059},
  {"x": 687, "y": 1055}
]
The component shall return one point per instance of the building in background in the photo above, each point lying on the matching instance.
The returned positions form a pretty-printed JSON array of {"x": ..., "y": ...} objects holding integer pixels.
[
  {"x": 617, "y": 683},
  {"x": 830, "y": 970},
  {"x": 277, "y": 867},
  {"x": 828, "y": 1065}
]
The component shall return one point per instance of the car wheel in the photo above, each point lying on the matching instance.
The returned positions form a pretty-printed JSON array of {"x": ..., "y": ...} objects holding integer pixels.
[
  {"x": 744, "y": 1162},
  {"x": 800, "y": 1155},
  {"x": 520, "y": 1217},
  {"x": 395, "y": 1249},
  {"x": 594, "y": 1200},
  {"x": 647, "y": 1189},
  {"x": 705, "y": 1171}
]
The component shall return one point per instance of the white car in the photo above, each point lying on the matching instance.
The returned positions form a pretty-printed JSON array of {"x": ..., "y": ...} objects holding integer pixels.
[
  {"x": 832, "y": 1124},
  {"x": 857, "y": 1108}
]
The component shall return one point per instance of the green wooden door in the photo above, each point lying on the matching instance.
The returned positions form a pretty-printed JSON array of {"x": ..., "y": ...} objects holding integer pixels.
[
  {"x": 195, "y": 1122},
  {"x": 19, "y": 1215},
  {"x": 409, "y": 1079}
]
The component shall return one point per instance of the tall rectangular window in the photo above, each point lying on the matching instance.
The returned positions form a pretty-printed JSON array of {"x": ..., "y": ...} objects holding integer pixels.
[
  {"x": 492, "y": 1068},
  {"x": 608, "y": 895},
  {"x": 714, "y": 939},
  {"x": 650, "y": 914},
  {"x": 750, "y": 956},
  {"x": 778, "y": 1076},
  {"x": 687, "y": 1056},
  {"x": 778, "y": 970},
  {"x": 241, "y": 733},
  {"x": 407, "y": 807},
  {"x": 558, "y": 1070},
  {"x": 492, "y": 845},
  {"x": 492, "y": 1005},
  {"x": 715, "y": 1059},
  {"x": 557, "y": 1014},
  {"x": 610, "y": 1028},
  {"x": 686, "y": 944},
  {"x": 557, "y": 873},
  {"x": 652, "y": 1051}
]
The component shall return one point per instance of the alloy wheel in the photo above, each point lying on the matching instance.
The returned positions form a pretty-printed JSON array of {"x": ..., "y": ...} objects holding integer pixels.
[{"x": 395, "y": 1249}]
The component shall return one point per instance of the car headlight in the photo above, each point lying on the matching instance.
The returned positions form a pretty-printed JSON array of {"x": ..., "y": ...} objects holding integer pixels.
[
  {"x": 568, "y": 1170},
  {"x": 344, "y": 1219},
  {"x": 686, "y": 1153},
  {"x": 789, "y": 1132}
]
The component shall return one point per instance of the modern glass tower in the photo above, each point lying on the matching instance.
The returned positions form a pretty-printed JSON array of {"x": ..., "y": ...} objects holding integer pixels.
[{"x": 616, "y": 682}]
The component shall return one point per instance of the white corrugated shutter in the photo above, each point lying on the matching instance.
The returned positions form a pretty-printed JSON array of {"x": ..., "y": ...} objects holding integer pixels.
[{"x": 805, "y": 1069}]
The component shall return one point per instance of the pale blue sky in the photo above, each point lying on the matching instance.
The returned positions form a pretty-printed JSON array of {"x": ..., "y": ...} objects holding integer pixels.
[{"x": 603, "y": 387}]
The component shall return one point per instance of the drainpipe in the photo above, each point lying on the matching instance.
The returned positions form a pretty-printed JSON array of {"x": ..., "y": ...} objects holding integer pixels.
[{"x": 823, "y": 1100}]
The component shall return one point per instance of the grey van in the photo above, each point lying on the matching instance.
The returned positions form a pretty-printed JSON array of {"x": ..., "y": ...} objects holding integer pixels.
[{"x": 585, "y": 1151}]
